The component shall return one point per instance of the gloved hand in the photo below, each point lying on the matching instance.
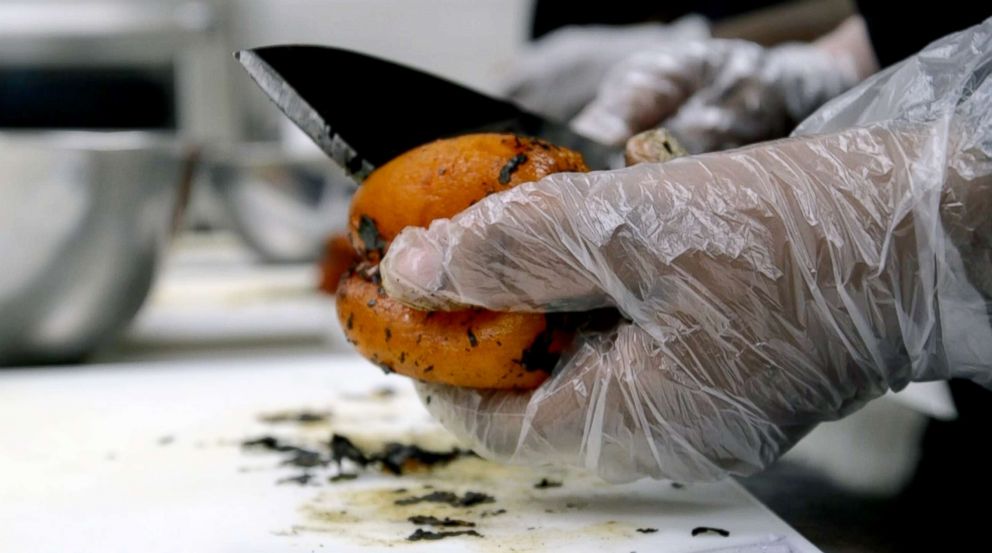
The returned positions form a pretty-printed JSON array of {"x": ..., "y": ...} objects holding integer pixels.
[
  {"x": 716, "y": 94},
  {"x": 560, "y": 73},
  {"x": 767, "y": 289}
]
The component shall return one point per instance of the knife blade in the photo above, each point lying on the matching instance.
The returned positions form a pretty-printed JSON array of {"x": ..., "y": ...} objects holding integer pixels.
[{"x": 363, "y": 111}]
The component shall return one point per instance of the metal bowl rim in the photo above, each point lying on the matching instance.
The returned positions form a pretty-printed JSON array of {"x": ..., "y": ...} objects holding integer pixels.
[{"x": 96, "y": 141}]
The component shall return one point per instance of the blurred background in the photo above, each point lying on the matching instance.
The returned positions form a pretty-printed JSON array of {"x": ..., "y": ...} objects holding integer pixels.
[
  {"x": 155, "y": 206},
  {"x": 130, "y": 124},
  {"x": 231, "y": 182}
]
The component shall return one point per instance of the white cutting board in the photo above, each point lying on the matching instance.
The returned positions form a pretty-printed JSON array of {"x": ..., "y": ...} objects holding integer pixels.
[{"x": 145, "y": 457}]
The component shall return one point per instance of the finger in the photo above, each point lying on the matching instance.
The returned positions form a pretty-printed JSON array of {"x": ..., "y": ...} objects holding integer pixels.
[
  {"x": 524, "y": 250},
  {"x": 642, "y": 91},
  {"x": 620, "y": 407}
]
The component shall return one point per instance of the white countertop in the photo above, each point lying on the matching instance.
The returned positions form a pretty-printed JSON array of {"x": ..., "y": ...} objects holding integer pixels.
[
  {"x": 141, "y": 451},
  {"x": 146, "y": 457}
]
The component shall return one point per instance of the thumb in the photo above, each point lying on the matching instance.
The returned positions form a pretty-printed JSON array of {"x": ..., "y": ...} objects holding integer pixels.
[{"x": 521, "y": 250}]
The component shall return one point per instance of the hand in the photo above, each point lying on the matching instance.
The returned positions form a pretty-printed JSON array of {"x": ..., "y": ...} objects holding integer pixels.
[
  {"x": 766, "y": 289},
  {"x": 716, "y": 94},
  {"x": 560, "y": 73}
]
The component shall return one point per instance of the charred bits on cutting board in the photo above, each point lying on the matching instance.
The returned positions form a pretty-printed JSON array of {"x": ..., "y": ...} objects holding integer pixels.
[
  {"x": 304, "y": 458},
  {"x": 511, "y": 167},
  {"x": 383, "y": 392},
  {"x": 470, "y": 499},
  {"x": 428, "y": 520},
  {"x": 702, "y": 530},
  {"x": 272, "y": 443},
  {"x": 399, "y": 458},
  {"x": 266, "y": 442},
  {"x": 421, "y": 535},
  {"x": 647, "y": 530},
  {"x": 302, "y": 417},
  {"x": 301, "y": 457},
  {"x": 342, "y": 448},
  {"x": 545, "y": 483},
  {"x": 301, "y": 479},
  {"x": 395, "y": 458}
]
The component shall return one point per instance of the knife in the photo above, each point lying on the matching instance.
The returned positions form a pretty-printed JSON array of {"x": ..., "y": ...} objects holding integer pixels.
[{"x": 363, "y": 111}]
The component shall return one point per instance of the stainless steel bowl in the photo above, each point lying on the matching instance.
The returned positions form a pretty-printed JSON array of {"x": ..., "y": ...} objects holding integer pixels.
[
  {"x": 283, "y": 205},
  {"x": 84, "y": 218}
]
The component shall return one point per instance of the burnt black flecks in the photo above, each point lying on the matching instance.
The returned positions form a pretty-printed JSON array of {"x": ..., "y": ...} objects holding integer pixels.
[
  {"x": 545, "y": 483},
  {"x": 539, "y": 357},
  {"x": 368, "y": 232},
  {"x": 395, "y": 458},
  {"x": 298, "y": 416},
  {"x": 301, "y": 479},
  {"x": 386, "y": 367},
  {"x": 468, "y": 500},
  {"x": 472, "y": 340},
  {"x": 421, "y": 535},
  {"x": 511, "y": 167},
  {"x": 266, "y": 442},
  {"x": 300, "y": 457},
  {"x": 342, "y": 448},
  {"x": 426, "y": 520},
  {"x": 647, "y": 530},
  {"x": 304, "y": 458},
  {"x": 701, "y": 530}
]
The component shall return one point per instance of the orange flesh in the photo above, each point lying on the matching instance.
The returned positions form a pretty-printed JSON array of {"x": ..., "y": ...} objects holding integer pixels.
[{"x": 472, "y": 348}]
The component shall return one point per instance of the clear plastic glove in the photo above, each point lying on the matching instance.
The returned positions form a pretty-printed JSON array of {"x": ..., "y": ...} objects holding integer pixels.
[
  {"x": 560, "y": 73},
  {"x": 718, "y": 94},
  {"x": 766, "y": 289}
]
